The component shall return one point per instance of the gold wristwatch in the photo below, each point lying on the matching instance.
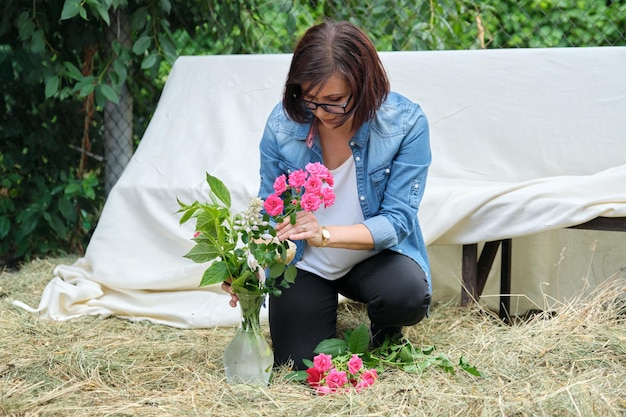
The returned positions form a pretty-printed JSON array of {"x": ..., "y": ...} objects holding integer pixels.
[{"x": 325, "y": 236}]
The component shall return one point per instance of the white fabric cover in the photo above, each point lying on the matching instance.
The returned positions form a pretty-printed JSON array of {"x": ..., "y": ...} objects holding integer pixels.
[{"x": 524, "y": 142}]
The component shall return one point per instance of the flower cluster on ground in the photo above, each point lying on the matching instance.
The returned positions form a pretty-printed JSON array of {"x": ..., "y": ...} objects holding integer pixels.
[
  {"x": 350, "y": 363},
  {"x": 329, "y": 376}
]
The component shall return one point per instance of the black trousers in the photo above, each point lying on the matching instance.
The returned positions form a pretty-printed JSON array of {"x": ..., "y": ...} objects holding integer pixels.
[{"x": 393, "y": 286}]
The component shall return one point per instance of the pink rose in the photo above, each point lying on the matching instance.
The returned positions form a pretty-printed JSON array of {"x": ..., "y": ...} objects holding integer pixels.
[
  {"x": 322, "y": 362},
  {"x": 273, "y": 205},
  {"x": 328, "y": 195},
  {"x": 354, "y": 364},
  {"x": 336, "y": 379},
  {"x": 318, "y": 170},
  {"x": 323, "y": 390},
  {"x": 297, "y": 178},
  {"x": 280, "y": 184},
  {"x": 313, "y": 185},
  {"x": 367, "y": 379},
  {"x": 310, "y": 202},
  {"x": 314, "y": 377}
]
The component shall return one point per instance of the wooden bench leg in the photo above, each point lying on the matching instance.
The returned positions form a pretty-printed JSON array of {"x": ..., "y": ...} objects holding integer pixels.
[
  {"x": 505, "y": 280},
  {"x": 469, "y": 274},
  {"x": 476, "y": 270}
]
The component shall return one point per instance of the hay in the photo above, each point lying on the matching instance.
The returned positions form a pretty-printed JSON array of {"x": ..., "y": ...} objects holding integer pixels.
[{"x": 571, "y": 362}]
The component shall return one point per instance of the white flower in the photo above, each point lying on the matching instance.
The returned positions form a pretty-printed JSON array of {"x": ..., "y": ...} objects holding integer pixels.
[
  {"x": 253, "y": 263},
  {"x": 261, "y": 275}
]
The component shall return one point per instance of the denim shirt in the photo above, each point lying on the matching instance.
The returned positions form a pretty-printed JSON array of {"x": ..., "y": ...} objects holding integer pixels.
[{"x": 392, "y": 155}]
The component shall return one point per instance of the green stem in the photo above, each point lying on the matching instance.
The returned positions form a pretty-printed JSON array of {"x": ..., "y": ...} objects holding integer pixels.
[{"x": 250, "y": 305}]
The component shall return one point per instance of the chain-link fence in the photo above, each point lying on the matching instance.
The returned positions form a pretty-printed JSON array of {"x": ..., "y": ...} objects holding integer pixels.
[{"x": 262, "y": 26}]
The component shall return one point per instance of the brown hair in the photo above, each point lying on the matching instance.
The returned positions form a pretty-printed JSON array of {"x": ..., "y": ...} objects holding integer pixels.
[{"x": 336, "y": 48}]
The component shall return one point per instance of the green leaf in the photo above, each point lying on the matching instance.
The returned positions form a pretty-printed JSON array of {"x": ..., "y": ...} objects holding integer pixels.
[
  {"x": 139, "y": 19},
  {"x": 332, "y": 347},
  {"x": 88, "y": 191},
  {"x": 38, "y": 42},
  {"x": 57, "y": 225},
  {"x": 209, "y": 218},
  {"x": 103, "y": 11},
  {"x": 72, "y": 71},
  {"x": 141, "y": 45},
  {"x": 218, "y": 189},
  {"x": 202, "y": 253},
  {"x": 5, "y": 226},
  {"x": 72, "y": 189},
  {"x": 216, "y": 273},
  {"x": 168, "y": 48},
  {"x": 445, "y": 363},
  {"x": 85, "y": 86},
  {"x": 25, "y": 26},
  {"x": 149, "y": 61},
  {"x": 245, "y": 290},
  {"x": 416, "y": 368},
  {"x": 70, "y": 9},
  {"x": 276, "y": 270},
  {"x": 290, "y": 274},
  {"x": 187, "y": 214},
  {"x": 469, "y": 368},
  {"x": 66, "y": 209},
  {"x": 166, "y": 6},
  {"x": 428, "y": 350},
  {"x": 52, "y": 85},
  {"x": 298, "y": 376},
  {"x": 407, "y": 353},
  {"x": 109, "y": 93},
  {"x": 359, "y": 340}
]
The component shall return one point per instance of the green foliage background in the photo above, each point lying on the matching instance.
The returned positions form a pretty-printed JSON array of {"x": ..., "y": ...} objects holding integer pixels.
[{"x": 57, "y": 71}]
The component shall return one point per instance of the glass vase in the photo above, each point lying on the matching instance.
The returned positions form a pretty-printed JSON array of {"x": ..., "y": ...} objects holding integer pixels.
[{"x": 248, "y": 358}]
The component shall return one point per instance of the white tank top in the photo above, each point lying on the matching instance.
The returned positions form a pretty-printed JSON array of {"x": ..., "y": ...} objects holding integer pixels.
[{"x": 334, "y": 263}]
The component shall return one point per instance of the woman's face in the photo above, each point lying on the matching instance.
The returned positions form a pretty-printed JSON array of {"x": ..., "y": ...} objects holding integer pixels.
[{"x": 335, "y": 93}]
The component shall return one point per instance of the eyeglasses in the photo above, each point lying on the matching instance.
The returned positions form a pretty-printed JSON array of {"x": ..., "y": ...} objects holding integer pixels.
[{"x": 329, "y": 108}]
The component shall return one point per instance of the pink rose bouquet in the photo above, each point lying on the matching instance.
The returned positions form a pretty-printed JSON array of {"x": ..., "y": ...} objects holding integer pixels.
[{"x": 306, "y": 189}]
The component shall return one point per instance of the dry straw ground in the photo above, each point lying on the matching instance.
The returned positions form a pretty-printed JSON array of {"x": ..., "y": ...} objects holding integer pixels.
[{"x": 572, "y": 363}]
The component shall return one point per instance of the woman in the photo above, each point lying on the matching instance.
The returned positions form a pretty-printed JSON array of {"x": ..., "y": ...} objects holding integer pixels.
[{"x": 368, "y": 246}]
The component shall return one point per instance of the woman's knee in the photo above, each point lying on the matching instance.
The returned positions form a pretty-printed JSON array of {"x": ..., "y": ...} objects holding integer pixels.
[
  {"x": 417, "y": 308},
  {"x": 400, "y": 308},
  {"x": 411, "y": 305}
]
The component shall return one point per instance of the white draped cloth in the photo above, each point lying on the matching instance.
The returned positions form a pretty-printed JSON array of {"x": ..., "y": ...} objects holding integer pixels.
[{"x": 525, "y": 142}]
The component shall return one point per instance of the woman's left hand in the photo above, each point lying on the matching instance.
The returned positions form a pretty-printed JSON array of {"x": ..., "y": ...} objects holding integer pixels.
[
  {"x": 306, "y": 228},
  {"x": 233, "y": 297}
]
